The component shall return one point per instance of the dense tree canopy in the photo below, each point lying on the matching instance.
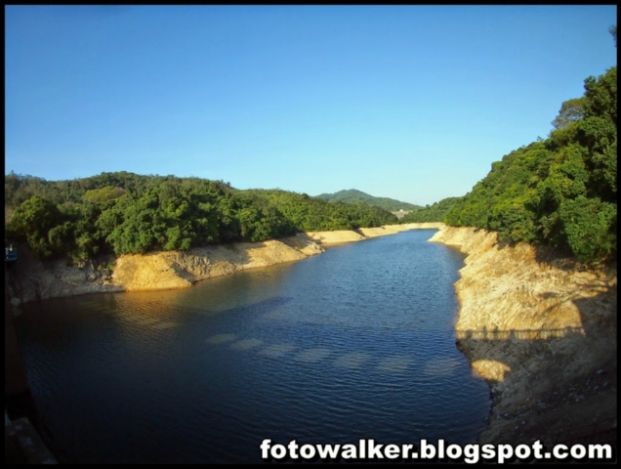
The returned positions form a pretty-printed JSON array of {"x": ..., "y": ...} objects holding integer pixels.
[
  {"x": 433, "y": 212},
  {"x": 560, "y": 191},
  {"x": 127, "y": 213}
]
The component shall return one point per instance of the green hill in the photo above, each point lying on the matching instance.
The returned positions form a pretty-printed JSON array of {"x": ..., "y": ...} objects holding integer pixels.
[
  {"x": 354, "y": 196},
  {"x": 128, "y": 213},
  {"x": 434, "y": 212},
  {"x": 561, "y": 191}
]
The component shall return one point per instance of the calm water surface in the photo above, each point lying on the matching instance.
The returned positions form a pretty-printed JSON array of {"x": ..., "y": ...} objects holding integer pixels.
[{"x": 354, "y": 343}]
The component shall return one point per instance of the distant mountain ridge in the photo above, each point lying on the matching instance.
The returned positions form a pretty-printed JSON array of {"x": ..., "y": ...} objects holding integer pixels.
[{"x": 354, "y": 196}]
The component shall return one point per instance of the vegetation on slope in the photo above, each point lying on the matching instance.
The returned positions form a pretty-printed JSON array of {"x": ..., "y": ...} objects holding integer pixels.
[
  {"x": 560, "y": 191},
  {"x": 354, "y": 196},
  {"x": 308, "y": 213},
  {"x": 434, "y": 212},
  {"x": 127, "y": 213}
]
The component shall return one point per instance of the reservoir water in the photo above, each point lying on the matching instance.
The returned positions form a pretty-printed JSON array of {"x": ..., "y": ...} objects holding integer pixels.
[{"x": 357, "y": 342}]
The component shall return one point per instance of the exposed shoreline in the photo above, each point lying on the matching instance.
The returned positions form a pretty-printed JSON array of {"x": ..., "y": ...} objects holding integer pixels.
[
  {"x": 542, "y": 333},
  {"x": 32, "y": 280}
]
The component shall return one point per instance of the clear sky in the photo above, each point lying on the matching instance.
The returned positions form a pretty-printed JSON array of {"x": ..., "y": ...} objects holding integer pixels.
[{"x": 409, "y": 102}]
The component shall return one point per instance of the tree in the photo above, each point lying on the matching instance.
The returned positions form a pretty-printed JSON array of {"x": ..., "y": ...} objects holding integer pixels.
[
  {"x": 601, "y": 96},
  {"x": 590, "y": 225},
  {"x": 33, "y": 221},
  {"x": 572, "y": 110},
  {"x": 561, "y": 191},
  {"x": 103, "y": 195},
  {"x": 128, "y": 213}
]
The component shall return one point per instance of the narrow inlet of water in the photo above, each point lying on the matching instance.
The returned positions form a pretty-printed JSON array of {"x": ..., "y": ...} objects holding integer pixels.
[{"x": 357, "y": 342}]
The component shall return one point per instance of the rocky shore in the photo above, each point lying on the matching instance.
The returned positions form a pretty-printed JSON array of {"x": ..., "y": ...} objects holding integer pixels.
[{"x": 542, "y": 331}]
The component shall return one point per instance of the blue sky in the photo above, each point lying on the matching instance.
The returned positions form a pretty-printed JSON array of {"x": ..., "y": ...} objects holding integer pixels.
[{"x": 409, "y": 102}]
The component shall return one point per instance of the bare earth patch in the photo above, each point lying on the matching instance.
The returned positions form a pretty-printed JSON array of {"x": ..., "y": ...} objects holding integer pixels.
[{"x": 543, "y": 333}]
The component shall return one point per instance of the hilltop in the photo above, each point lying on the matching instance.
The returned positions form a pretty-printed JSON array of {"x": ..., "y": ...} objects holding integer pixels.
[{"x": 354, "y": 196}]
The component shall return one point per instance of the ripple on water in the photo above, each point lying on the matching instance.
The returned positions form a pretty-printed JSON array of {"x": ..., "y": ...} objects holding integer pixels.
[
  {"x": 395, "y": 364},
  {"x": 220, "y": 338},
  {"x": 312, "y": 355},
  {"x": 246, "y": 344},
  {"x": 363, "y": 346},
  {"x": 441, "y": 366},
  {"x": 277, "y": 350},
  {"x": 145, "y": 321},
  {"x": 352, "y": 360},
  {"x": 164, "y": 325}
]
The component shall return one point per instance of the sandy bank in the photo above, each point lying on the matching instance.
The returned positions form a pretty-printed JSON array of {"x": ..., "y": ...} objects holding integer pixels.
[
  {"x": 543, "y": 333},
  {"x": 334, "y": 238},
  {"x": 31, "y": 279}
]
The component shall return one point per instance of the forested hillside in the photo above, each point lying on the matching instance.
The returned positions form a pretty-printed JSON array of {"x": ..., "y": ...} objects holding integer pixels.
[
  {"x": 434, "y": 212},
  {"x": 354, "y": 196},
  {"x": 308, "y": 213},
  {"x": 127, "y": 213},
  {"x": 560, "y": 191}
]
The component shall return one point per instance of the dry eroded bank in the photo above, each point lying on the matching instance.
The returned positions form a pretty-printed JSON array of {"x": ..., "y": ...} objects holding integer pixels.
[
  {"x": 32, "y": 279},
  {"x": 543, "y": 333}
]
